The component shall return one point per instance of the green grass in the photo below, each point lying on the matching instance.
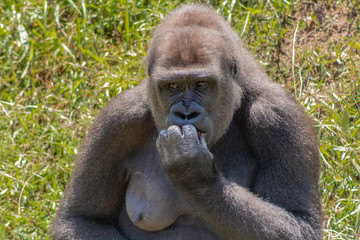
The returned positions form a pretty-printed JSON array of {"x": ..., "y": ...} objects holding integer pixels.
[{"x": 61, "y": 61}]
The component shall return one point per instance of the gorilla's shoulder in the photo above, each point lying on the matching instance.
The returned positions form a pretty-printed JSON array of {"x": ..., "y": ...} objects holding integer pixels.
[
  {"x": 128, "y": 107},
  {"x": 126, "y": 114}
]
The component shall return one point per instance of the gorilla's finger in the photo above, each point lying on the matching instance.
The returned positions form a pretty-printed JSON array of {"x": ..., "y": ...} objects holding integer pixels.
[
  {"x": 190, "y": 131},
  {"x": 174, "y": 132},
  {"x": 163, "y": 134}
]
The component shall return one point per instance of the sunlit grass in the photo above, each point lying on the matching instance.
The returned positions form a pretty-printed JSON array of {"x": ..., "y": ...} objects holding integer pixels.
[{"x": 61, "y": 61}]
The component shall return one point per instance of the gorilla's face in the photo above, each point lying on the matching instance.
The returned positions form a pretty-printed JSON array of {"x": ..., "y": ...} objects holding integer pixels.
[
  {"x": 191, "y": 81},
  {"x": 188, "y": 99},
  {"x": 197, "y": 97}
]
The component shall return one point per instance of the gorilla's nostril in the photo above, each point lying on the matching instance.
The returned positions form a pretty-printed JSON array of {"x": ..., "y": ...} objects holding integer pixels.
[
  {"x": 180, "y": 115},
  {"x": 193, "y": 115},
  {"x": 183, "y": 116}
]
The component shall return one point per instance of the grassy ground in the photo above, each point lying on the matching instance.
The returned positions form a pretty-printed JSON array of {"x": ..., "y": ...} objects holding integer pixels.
[{"x": 61, "y": 61}]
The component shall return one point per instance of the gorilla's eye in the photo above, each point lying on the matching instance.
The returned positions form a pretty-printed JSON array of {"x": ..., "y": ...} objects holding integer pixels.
[
  {"x": 201, "y": 84},
  {"x": 173, "y": 86}
]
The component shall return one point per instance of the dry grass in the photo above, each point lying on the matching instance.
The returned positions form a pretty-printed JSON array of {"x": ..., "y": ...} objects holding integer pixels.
[{"x": 61, "y": 61}]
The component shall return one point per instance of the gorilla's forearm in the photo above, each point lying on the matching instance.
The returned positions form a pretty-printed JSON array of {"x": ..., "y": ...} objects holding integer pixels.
[{"x": 230, "y": 210}]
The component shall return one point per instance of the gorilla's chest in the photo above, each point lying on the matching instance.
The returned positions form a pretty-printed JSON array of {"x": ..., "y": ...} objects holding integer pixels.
[
  {"x": 154, "y": 208},
  {"x": 152, "y": 203}
]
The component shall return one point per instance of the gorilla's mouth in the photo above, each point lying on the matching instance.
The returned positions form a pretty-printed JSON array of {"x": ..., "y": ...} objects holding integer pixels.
[{"x": 199, "y": 132}]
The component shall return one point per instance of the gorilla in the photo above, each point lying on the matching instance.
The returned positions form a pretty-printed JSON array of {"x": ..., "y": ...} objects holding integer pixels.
[{"x": 207, "y": 147}]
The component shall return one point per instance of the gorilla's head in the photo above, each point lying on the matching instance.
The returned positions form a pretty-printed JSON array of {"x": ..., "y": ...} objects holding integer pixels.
[{"x": 192, "y": 70}]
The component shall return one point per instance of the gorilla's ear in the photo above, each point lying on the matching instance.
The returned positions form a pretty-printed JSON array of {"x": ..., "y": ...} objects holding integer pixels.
[
  {"x": 233, "y": 67},
  {"x": 150, "y": 66},
  {"x": 149, "y": 70},
  {"x": 149, "y": 61}
]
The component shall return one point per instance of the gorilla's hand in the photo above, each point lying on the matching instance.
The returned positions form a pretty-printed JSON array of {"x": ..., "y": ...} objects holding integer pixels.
[{"x": 185, "y": 156}]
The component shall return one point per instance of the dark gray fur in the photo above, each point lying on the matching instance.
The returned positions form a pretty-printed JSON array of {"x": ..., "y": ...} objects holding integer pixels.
[{"x": 146, "y": 172}]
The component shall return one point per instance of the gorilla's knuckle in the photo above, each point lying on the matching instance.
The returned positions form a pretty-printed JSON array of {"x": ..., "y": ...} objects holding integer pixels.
[
  {"x": 163, "y": 134},
  {"x": 189, "y": 128}
]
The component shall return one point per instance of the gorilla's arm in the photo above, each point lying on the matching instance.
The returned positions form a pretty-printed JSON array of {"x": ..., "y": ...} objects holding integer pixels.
[
  {"x": 95, "y": 194},
  {"x": 282, "y": 203}
]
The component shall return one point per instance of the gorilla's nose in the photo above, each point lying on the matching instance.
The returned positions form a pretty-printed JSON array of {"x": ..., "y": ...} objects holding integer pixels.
[{"x": 182, "y": 115}]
